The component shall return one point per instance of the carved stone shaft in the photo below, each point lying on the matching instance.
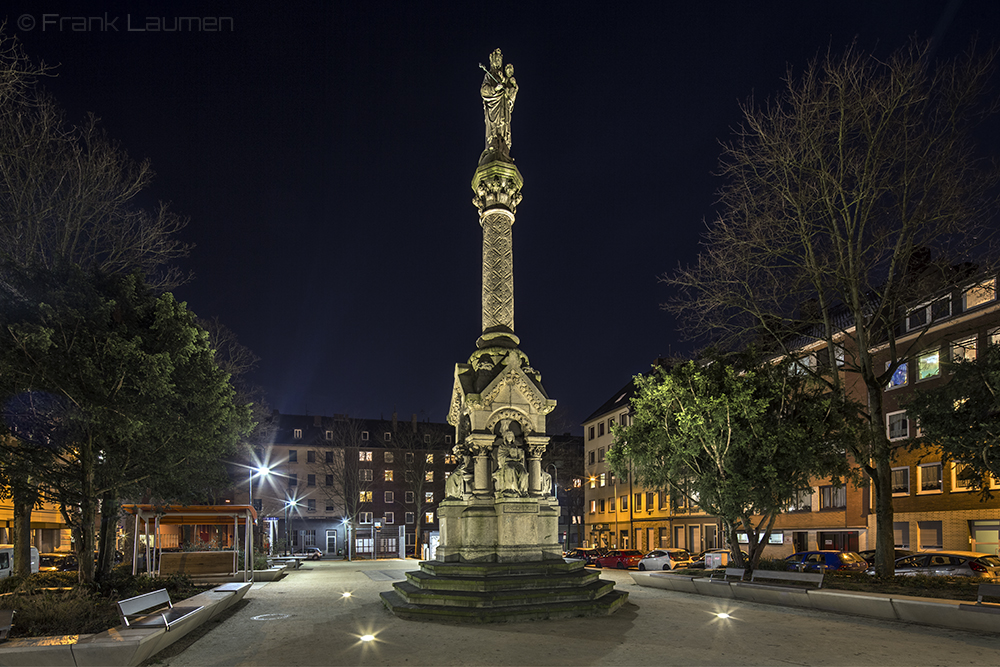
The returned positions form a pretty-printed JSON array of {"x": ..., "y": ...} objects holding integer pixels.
[{"x": 498, "y": 270}]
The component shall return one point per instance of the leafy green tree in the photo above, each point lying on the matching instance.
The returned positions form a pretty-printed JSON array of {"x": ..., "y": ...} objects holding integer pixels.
[
  {"x": 834, "y": 191},
  {"x": 742, "y": 442},
  {"x": 119, "y": 387},
  {"x": 962, "y": 416}
]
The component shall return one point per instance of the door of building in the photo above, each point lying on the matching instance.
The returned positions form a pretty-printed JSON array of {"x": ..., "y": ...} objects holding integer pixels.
[
  {"x": 331, "y": 541},
  {"x": 694, "y": 538},
  {"x": 679, "y": 541},
  {"x": 985, "y": 536},
  {"x": 711, "y": 536}
]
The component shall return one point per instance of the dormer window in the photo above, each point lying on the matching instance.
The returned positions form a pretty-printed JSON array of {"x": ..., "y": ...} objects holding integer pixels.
[
  {"x": 297, "y": 434},
  {"x": 929, "y": 312},
  {"x": 977, "y": 295}
]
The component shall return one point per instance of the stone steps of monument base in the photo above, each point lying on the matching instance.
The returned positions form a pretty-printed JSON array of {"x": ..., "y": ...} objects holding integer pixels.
[
  {"x": 602, "y": 606},
  {"x": 498, "y": 599},
  {"x": 556, "y": 566},
  {"x": 428, "y": 581}
]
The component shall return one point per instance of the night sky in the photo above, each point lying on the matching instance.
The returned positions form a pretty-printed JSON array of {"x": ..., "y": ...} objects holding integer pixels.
[{"x": 324, "y": 151}]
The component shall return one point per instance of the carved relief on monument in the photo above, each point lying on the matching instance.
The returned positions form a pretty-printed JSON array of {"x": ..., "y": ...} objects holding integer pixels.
[
  {"x": 510, "y": 475},
  {"x": 498, "y": 271}
]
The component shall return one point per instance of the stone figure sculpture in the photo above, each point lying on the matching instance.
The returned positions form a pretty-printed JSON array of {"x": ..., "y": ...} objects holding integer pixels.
[
  {"x": 498, "y": 91},
  {"x": 511, "y": 476},
  {"x": 454, "y": 485}
]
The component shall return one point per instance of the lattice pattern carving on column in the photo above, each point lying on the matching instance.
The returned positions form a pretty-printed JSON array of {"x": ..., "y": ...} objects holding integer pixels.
[{"x": 498, "y": 270}]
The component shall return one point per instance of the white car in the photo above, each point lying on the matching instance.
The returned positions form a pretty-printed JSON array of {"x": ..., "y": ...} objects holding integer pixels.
[{"x": 665, "y": 559}]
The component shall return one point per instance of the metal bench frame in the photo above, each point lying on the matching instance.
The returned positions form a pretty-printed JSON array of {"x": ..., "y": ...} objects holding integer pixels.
[{"x": 133, "y": 610}]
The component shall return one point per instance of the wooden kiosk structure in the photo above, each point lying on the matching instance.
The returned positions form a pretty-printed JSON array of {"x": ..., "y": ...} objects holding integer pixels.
[{"x": 193, "y": 562}]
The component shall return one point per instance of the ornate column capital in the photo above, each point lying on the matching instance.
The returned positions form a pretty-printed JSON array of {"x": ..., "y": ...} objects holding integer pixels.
[{"x": 498, "y": 187}]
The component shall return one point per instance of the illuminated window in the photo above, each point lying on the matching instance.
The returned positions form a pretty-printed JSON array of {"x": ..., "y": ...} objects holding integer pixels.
[
  {"x": 929, "y": 478},
  {"x": 964, "y": 350},
  {"x": 801, "y": 502},
  {"x": 929, "y": 365},
  {"x": 297, "y": 434},
  {"x": 388, "y": 457},
  {"x": 984, "y": 292},
  {"x": 429, "y": 517},
  {"x": 577, "y": 483},
  {"x": 429, "y": 476},
  {"x": 389, "y": 497},
  {"x": 450, "y": 459},
  {"x": 365, "y": 496},
  {"x": 593, "y": 506},
  {"x": 901, "y": 481},
  {"x": 428, "y": 496},
  {"x": 364, "y": 456},
  {"x": 388, "y": 475},
  {"x": 593, "y": 482},
  {"x": 430, "y": 459},
  {"x": 604, "y": 479},
  {"x": 897, "y": 426},
  {"x": 899, "y": 376}
]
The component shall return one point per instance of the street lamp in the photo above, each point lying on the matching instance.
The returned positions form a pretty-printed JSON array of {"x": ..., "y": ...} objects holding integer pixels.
[
  {"x": 288, "y": 542},
  {"x": 555, "y": 494}
]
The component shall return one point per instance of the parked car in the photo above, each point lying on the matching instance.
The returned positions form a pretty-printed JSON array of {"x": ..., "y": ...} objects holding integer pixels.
[
  {"x": 57, "y": 562},
  {"x": 586, "y": 554},
  {"x": 869, "y": 555},
  {"x": 7, "y": 560},
  {"x": 819, "y": 561},
  {"x": 665, "y": 559},
  {"x": 948, "y": 564},
  {"x": 620, "y": 558},
  {"x": 310, "y": 553}
]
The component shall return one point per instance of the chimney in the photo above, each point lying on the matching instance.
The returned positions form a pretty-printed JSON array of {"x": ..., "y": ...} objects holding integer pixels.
[{"x": 413, "y": 420}]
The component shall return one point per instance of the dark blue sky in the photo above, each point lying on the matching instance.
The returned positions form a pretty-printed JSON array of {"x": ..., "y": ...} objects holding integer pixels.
[{"x": 324, "y": 152}]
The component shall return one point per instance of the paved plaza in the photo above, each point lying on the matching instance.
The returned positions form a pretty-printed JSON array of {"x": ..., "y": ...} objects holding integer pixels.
[{"x": 305, "y": 620}]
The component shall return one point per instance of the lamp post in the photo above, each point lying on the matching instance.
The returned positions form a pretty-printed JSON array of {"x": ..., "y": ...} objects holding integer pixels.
[
  {"x": 555, "y": 493},
  {"x": 288, "y": 541}
]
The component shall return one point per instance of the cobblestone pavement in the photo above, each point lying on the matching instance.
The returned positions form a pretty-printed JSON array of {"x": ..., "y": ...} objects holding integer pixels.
[{"x": 304, "y": 619}]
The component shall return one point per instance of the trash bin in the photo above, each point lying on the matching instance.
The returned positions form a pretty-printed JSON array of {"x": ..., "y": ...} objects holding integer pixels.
[{"x": 716, "y": 559}]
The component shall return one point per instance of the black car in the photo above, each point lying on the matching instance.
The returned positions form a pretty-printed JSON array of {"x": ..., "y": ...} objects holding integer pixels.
[
  {"x": 587, "y": 554},
  {"x": 869, "y": 555},
  {"x": 57, "y": 562}
]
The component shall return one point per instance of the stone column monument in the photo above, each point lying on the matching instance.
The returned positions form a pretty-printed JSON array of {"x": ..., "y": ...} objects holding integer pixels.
[{"x": 499, "y": 557}]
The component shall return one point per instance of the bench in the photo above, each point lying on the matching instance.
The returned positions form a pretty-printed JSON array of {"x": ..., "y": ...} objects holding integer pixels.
[
  {"x": 737, "y": 572},
  {"x": 987, "y": 590},
  {"x": 792, "y": 577},
  {"x": 133, "y": 611},
  {"x": 195, "y": 563},
  {"x": 6, "y": 620}
]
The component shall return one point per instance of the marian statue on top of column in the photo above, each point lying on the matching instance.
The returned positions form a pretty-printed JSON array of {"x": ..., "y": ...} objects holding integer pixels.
[{"x": 498, "y": 91}]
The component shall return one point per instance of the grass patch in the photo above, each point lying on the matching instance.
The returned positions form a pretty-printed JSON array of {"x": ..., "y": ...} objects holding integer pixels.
[{"x": 54, "y": 603}]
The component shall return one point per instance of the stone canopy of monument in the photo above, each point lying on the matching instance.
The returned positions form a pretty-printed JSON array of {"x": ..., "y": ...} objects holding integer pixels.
[{"x": 499, "y": 556}]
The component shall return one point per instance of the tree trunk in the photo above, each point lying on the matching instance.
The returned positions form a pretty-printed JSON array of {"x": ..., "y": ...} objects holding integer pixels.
[
  {"x": 88, "y": 514},
  {"x": 22, "y": 535},
  {"x": 106, "y": 538},
  {"x": 882, "y": 481}
]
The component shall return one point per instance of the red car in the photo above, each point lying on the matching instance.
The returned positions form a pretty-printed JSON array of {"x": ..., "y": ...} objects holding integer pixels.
[{"x": 620, "y": 558}]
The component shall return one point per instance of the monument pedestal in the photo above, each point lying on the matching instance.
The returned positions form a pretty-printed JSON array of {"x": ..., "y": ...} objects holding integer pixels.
[{"x": 509, "y": 530}]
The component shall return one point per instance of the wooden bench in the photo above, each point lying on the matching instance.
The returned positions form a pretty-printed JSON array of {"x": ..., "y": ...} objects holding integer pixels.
[
  {"x": 737, "y": 572},
  {"x": 792, "y": 577},
  {"x": 6, "y": 620},
  {"x": 133, "y": 611},
  {"x": 195, "y": 563},
  {"x": 987, "y": 590}
]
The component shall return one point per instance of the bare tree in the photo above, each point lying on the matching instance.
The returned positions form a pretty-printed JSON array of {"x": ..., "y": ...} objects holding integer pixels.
[
  {"x": 68, "y": 194},
  {"x": 836, "y": 193},
  {"x": 419, "y": 443}
]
